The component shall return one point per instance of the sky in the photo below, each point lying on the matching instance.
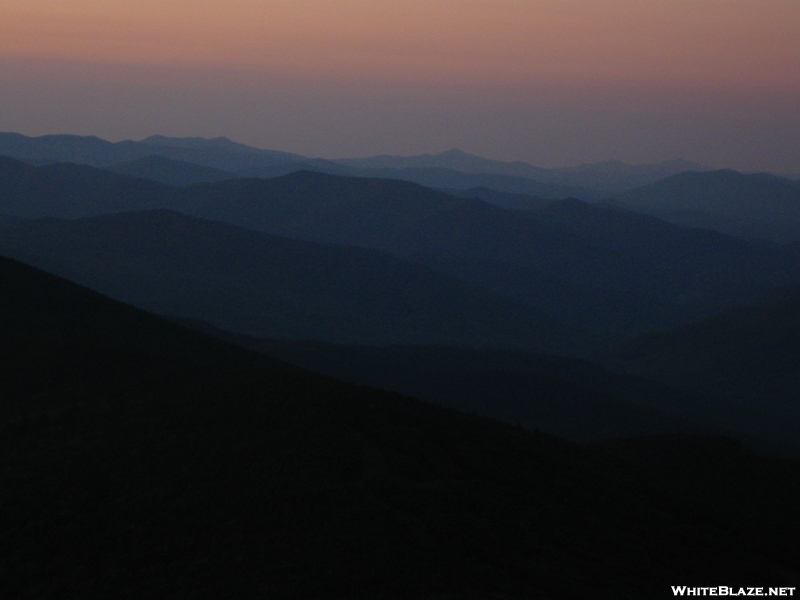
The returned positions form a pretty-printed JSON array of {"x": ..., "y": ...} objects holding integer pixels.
[{"x": 550, "y": 82}]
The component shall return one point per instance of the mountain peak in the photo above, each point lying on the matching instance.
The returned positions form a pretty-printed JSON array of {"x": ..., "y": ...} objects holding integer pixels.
[
  {"x": 197, "y": 142},
  {"x": 455, "y": 153}
]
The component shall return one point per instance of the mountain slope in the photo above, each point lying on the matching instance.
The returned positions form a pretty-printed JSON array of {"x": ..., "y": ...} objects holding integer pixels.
[
  {"x": 225, "y": 155},
  {"x": 452, "y": 159},
  {"x": 435, "y": 177},
  {"x": 266, "y": 285},
  {"x": 615, "y": 271},
  {"x": 218, "y": 153},
  {"x": 756, "y": 206},
  {"x": 748, "y": 357},
  {"x": 573, "y": 398},
  {"x": 606, "y": 177},
  {"x": 144, "y": 458},
  {"x": 71, "y": 191},
  {"x": 614, "y": 176},
  {"x": 170, "y": 172},
  {"x": 502, "y": 199}
]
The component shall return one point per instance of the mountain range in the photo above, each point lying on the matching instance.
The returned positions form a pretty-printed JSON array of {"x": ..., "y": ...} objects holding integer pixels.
[
  {"x": 606, "y": 177},
  {"x": 453, "y": 168},
  {"x": 606, "y": 271},
  {"x": 146, "y": 459},
  {"x": 169, "y": 171},
  {"x": 614, "y": 272},
  {"x": 756, "y": 206},
  {"x": 263, "y": 285},
  {"x": 355, "y": 384},
  {"x": 266, "y": 285}
]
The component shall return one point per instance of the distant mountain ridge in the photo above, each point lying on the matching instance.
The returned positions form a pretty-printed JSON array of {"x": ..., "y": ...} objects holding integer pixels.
[
  {"x": 630, "y": 267},
  {"x": 453, "y": 168},
  {"x": 450, "y": 159},
  {"x": 218, "y": 153},
  {"x": 608, "y": 271},
  {"x": 269, "y": 286},
  {"x": 70, "y": 190},
  {"x": 606, "y": 176},
  {"x": 445, "y": 178},
  {"x": 170, "y": 171},
  {"x": 756, "y": 206}
]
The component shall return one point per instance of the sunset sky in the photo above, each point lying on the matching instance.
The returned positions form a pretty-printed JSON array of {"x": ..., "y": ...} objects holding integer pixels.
[{"x": 551, "y": 82}]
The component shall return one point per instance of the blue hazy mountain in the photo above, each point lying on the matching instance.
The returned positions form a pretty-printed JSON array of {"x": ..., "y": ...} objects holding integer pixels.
[
  {"x": 756, "y": 206},
  {"x": 219, "y": 153},
  {"x": 453, "y": 169},
  {"x": 269, "y": 286},
  {"x": 606, "y": 177},
  {"x": 171, "y": 172},
  {"x": 247, "y": 161},
  {"x": 438, "y": 177},
  {"x": 614, "y": 176},
  {"x": 503, "y": 199},
  {"x": 70, "y": 190},
  {"x": 605, "y": 270},
  {"x": 616, "y": 272},
  {"x": 452, "y": 159}
]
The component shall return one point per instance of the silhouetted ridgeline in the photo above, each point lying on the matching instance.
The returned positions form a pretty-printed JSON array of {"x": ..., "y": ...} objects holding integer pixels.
[
  {"x": 573, "y": 398},
  {"x": 145, "y": 460},
  {"x": 168, "y": 171},
  {"x": 759, "y": 206},
  {"x": 748, "y": 358},
  {"x": 611, "y": 272},
  {"x": 608, "y": 176},
  {"x": 266, "y": 285},
  {"x": 452, "y": 169}
]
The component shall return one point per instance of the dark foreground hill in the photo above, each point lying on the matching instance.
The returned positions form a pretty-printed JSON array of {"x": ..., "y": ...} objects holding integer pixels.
[
  {"x": 748, "y": 358},
  {"x": 141, "y": 460},
  {"x": 266, "y": 285},
  {"x": 573, "y": 398}
]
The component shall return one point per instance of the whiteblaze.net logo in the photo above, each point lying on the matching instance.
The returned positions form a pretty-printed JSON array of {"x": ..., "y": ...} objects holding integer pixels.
[{"x": 723, "y": 590}]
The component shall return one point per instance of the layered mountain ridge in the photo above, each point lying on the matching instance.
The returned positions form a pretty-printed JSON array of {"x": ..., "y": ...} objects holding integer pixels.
[{"x": 143, "y": 457}]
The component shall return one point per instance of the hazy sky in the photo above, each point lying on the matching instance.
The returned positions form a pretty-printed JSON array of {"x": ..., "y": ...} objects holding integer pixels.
[{"x": 552, "y": 82}]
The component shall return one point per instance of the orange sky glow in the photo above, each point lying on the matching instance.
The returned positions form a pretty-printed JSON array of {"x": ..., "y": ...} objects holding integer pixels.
[
  {"x": 693, "y": 42},
  {"x": 498, "y": 46}
]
